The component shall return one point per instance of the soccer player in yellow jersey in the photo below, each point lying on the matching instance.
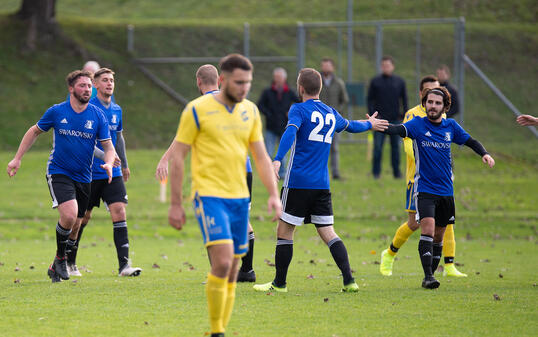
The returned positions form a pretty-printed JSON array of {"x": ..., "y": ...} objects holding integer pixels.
[
  {"x": 411, "y": 225},
  {"x": 220, "y": 128}
]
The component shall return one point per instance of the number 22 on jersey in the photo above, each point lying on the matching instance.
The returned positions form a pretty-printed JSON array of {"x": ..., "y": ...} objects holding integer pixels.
[{"x": 317, "y": 118}]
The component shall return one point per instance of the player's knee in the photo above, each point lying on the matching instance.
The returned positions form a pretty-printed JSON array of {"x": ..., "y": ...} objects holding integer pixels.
[{"x": 220, "y": 266}]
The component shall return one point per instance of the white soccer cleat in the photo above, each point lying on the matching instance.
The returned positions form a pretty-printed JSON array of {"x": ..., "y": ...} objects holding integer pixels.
[
  {"x": 130, "y": 271},
  {"x": 72, "y": 270}
]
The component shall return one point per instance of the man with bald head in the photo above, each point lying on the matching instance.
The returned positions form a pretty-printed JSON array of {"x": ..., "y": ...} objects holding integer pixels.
[{"x": 274, "y": 103}]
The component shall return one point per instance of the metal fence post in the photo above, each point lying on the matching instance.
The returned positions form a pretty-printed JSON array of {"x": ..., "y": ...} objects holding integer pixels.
[
  {"x": 461, "y": 77},
  {"x": 339, "y": 48},
  {"x": 378, "y": 46},
  {"x": 130, "y": 39},
  {"x": 300, "y": 46},
  {"x": 418, "y": 60},
  {"x": 246, "y": 39}
]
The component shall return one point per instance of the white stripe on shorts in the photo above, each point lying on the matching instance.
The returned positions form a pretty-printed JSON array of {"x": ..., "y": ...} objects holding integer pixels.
[
  {"x": 54, "y": 200},
  {"x": 291, "y": 219},
  {"x": 322, "y": 219}
]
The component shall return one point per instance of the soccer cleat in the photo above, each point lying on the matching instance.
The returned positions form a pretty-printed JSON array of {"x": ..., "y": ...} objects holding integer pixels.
[
  {"x": 450, "y": 270},
  {"x": 246, "y": 276},
  {"x": 72, "y": 269},
  {"x": 59, "y": 266},
  {"x": 353, "y": 287},
  {"x": 385, "y": 267},
  {"x": 218, "y": 334},
  {"x": 270, "y": 287},
  {"x": 430, "y": 283},
  {"x": 130, "y": 271},
  {"x": 54, "y": 277}
]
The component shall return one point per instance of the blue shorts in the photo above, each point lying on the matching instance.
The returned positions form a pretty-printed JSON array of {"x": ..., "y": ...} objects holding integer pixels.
[
  {"x": 409, "y": 198},
  {"x": 223, "y": 221}
]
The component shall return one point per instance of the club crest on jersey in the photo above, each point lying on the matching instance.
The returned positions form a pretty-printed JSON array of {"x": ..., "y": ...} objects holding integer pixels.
[
  {"x": 244, "y": 116},
  {"x": 447, "y": 136},
  {"x": 89, "y": 124},
  {"x": 114, "y": 119}
]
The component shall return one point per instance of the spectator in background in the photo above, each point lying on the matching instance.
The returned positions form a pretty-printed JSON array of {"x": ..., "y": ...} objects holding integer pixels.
[
  {"x": 334, "y": 94},
  {"x": 92, "y": 67},
  {"x": 443, "y": 74},
  {"x": 387, "y": 95},
  {"x": 274, "y": 103}
]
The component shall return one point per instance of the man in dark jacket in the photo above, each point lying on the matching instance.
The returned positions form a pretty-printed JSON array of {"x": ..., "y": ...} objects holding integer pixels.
[
  {"x": 443, "y": 74},
  {"x": 386, "y": 95},
  {"x": 274, "y": 103},
  {"x": 334, "y": 94}
]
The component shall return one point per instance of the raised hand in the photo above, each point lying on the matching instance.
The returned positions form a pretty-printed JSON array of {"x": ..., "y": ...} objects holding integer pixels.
[{"x": 377, "y": 124}]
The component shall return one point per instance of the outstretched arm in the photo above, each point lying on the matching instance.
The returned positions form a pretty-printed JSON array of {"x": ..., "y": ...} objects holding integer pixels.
[
  {"x": 176, "y": 213},
  {"x": 481, "y": 151},
  {"x": 26, "y": 143},
  {"x": 371, "y": 123},
  {"x": 527, "y": 120},
  {"x": 396, "y": 129},
  {"x": 263, "y": 165}
]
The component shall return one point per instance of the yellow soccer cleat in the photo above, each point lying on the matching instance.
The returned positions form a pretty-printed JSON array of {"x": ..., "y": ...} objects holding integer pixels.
[
  {"x": 450, "y": 270},
  {"x": 385, "y": 268},
  {"x": 269, "y": 287},
  {"x": 351, "y": 288}
]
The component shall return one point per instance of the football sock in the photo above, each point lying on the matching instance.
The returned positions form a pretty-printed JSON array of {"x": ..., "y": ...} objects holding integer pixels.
[
  {"x": 229, "y": 304},
  {"x": 62, "y": 235},
  {"x": 246, "y": 261},
  {"x": 449, "y": 247},
  {"x": 72, "y": 256},
  {"x": 121, "y": 240},
  {"x": 216, "y": 291},
  {"x": 402, "y": 234},
  {"x": 425, "y": 249},
  {"x": 71, "y": 250},
  {"x": 283, "y": 255},
  {"x": 437, "y": 250},
  {"x": 339, "y": 253}
]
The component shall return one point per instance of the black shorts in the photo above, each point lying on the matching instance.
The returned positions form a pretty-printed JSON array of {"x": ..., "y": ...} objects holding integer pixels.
[
  {"x": 306, "y": 205},
  {"x": 110, "y": 193},
  {"x": 441, "y": 208},
  {"x": 249, "y": 184},
  {"x": 62, "y": 188}
]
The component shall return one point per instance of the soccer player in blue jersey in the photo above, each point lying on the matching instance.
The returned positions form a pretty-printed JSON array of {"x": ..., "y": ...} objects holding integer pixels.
[
  {"x": 113, "y": 194},
  {"x": 305, "y": 193},
  {"x": 207, "y": 83},
  {"x": 433, "y": 191},
  {"x": 220, "y": 128},
  {"x": 78, "y": 126}
]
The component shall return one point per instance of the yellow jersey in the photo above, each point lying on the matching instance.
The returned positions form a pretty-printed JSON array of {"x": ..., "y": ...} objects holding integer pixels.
[
  {"x": 219, "y": 138},
  {"x": 408, "y": 142}
]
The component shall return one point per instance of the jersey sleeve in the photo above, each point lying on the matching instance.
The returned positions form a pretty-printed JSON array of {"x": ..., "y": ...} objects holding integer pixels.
[
  {"x": 104, "y": 131},
  {"x": 120, "y": 123},
  {"x": 256, "y": 133},
  {"x": 411, "y": 127},
  {"x": 47, "y": 120},
  {"x": 460, "y": 135},
  {"x": 189, "y": 125},
  {"x": 295, "y": 117},
  {"x": 408, "y": 143},
  {"x": 341, "y": 122}
]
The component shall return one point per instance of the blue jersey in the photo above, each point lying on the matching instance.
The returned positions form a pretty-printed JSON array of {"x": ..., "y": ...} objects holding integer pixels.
[
  {"x": 75, "y": 136},
  {"x": 316, "y": 124},
  {"x": 431, "y": 144},
  {"x": 115, "y": 125}
]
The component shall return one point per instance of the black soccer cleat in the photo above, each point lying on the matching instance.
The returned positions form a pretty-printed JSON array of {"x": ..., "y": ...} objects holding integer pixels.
[
  {"x": 219, "y": 334},
  {"x": 430, "y": 283},
  {"x": 246, "y": 276},
  {"x": 54, "y": 277},
  {"x": 59, "y": 266}
]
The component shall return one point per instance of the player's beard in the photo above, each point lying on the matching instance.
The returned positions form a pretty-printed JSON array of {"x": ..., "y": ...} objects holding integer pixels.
[
  {"x": 80, "y": 98},
  {"x": 434, "y": 116},
  {"x": 230, "y": 97}
]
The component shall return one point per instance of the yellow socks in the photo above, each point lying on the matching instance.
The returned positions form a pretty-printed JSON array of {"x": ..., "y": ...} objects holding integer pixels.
[
  {"x": 216, "y": 291},
  {"x": 402, "y": 234},
  {"x": 449, "y": 244},
  {"x": 228, "y": 308}
]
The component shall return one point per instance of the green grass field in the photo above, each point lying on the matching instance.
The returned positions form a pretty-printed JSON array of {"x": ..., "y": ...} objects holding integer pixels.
[{"x": 496, "y": 245}]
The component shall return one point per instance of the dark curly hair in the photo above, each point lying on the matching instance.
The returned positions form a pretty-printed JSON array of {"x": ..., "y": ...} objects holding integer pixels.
[{"x": 441, "y": 91}]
